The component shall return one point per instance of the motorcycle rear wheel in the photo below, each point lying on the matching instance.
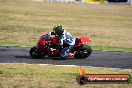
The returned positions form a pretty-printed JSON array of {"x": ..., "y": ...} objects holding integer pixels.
[{"x": 83, "y": 52}]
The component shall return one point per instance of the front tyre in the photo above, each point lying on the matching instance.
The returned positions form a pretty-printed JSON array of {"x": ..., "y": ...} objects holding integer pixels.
[
  {"x": 34, "y": 53},
  {"x": 83, "y": 52}
]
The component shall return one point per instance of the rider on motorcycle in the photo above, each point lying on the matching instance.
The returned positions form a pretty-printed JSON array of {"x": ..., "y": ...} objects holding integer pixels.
[{"x": 64, "y": 37}]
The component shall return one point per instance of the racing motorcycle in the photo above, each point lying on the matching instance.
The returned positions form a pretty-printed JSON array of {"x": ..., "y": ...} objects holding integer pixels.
[{"x": 48, "y": 46}]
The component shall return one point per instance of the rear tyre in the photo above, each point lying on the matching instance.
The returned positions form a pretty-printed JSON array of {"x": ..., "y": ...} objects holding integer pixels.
[
  {"x": 83, "y": 52},
  {"x": 35, "y": 54}
]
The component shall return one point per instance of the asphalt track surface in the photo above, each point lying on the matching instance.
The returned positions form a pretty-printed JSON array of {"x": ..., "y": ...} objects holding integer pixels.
[{"x": 97, "y": 59}]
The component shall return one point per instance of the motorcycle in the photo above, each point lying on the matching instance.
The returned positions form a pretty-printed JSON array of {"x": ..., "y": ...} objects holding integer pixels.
[{"x": 48, "y": 46}]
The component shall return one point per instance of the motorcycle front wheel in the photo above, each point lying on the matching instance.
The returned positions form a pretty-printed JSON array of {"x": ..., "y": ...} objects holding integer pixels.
[{"x": 35, "y": 54}]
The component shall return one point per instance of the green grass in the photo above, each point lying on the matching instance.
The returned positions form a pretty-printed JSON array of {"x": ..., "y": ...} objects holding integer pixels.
[
  {"x": 50, "y": 76},
  {"x": 109, "y": 26},
  {"x": 110, "y": 48}
]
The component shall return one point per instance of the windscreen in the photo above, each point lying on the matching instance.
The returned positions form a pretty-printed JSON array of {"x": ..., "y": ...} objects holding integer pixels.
[{"x": 46, "y": 37}]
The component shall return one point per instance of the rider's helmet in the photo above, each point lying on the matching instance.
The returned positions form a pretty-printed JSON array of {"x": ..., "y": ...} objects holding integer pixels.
[{"x": 58, "y": 30}]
